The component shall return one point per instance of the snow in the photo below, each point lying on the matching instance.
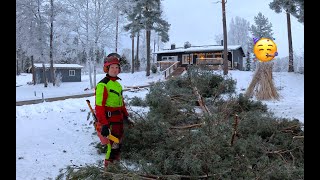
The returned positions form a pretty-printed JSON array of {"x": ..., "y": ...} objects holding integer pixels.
[
  {"x": 52, "y": 135},
  {"x": 30, "y": 92},
  {"x": 199, "y": 49},
  {"x": 59, "y": 65}
]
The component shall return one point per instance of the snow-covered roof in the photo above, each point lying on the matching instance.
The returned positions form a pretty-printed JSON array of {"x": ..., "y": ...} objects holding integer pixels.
[
  {"x": 199, "y": 49},
  {"x": 39, "y": 65}
]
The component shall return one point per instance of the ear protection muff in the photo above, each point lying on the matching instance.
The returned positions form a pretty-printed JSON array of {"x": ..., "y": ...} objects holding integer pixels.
[{"x": 105, "y": 69}]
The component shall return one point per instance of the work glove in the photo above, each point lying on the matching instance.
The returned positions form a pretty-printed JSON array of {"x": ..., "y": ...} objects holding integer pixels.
[{"x": 105, "y": 131}]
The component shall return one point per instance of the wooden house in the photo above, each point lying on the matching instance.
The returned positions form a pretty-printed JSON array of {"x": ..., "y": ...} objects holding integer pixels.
[
  {"x": 211, "y": 55},
  {"x": 68, "y": 72}
]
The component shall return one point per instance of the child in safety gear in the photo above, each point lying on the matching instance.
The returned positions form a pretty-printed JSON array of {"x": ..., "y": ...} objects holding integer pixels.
[{"x": 110, "y": 108}]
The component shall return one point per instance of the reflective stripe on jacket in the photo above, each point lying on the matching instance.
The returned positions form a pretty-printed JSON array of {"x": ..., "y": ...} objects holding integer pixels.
[
  {"x": 108, "y": 99},
  {"x": 114, "y": 90}
]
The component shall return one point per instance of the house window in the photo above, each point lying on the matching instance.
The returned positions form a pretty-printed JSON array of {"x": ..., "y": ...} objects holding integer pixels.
[
  {"x": 72, "y": 72},
  {"x": 201, "y": 55},
  {"x": 209, "y": 55},
  {"x": 187, "y": 59},
  {"x": 169, "y": 58},
  {"x": 218, "y": 55}
]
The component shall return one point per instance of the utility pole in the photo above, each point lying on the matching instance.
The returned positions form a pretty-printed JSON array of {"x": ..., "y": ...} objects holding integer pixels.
[{"x": 225, "y": 47}]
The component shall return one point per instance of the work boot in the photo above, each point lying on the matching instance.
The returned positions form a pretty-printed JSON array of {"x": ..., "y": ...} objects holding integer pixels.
[
  {"x": 115, "y": 154},
  {"x": 107, "y": 162},
  {"x": 112, "y": 166}
]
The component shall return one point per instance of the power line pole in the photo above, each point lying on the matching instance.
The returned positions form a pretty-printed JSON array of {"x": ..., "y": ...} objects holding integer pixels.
[{"x": 225, "y": 48}]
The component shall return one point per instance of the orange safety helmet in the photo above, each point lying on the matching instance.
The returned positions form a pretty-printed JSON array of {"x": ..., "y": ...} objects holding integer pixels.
[{"x": 110, "y": 60}]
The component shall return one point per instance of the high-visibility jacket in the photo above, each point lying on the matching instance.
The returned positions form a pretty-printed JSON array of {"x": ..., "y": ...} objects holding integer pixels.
[{"x": 109, "y": 103}]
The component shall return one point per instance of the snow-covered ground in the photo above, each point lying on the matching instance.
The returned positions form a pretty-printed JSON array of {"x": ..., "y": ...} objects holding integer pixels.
[
  {"x": 52, "y": 135},
  {"x": 290, "y": 88},
  {"x": 29, "y": 92}
]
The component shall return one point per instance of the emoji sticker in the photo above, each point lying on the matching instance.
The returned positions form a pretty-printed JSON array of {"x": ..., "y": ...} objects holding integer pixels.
[{"x": 264, "y": 49}]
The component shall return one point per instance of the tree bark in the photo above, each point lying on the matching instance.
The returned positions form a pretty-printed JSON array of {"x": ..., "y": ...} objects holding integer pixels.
[
  {"x": 225, "y": 48},
  {"x": 45, "y": 82},
  {"x": 132, "y": 56},
  {"x": 148, "y": 33},
  {"x": 53, "y": 79},
  {"x": 200, "y": 101},
  {"x": 22, "y": 64},
  {"x": 117, "y": 24},
  {"x": 33, "y": 72},
  {"x": 40, "y": 29},
  {"x": 90, "y": 76},
  {"x": 137, "y": 52},
  {"x": 17, "y": 65},
  {"x": 291, "y": 68}
]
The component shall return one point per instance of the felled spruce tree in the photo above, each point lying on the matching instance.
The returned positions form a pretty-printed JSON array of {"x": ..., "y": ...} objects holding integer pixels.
[{"x": 239, "y": 139}]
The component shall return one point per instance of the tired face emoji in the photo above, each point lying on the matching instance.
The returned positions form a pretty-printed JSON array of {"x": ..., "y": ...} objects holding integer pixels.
[{"x": 265, "y": 49}]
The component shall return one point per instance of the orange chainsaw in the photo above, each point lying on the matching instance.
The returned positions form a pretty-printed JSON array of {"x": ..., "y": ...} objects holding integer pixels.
[{"x": 111, "y": 137}]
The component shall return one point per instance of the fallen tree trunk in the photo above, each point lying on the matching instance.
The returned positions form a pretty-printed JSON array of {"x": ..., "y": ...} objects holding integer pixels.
[
  {"x": 200, "y": 101},
  {"x": 151, "y": 177},
  {"x": 187, "y": 126},
  {"x": 139, "y": 86}
]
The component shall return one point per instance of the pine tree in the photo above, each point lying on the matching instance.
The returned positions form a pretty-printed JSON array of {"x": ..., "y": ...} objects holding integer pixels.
[
  {"x": 187, "y": 44},
  {"x": 262, "y": 85},
  {"x": 125, "y": 66},
  {"x": 248, "y": 62},
  {"x": 135, "y": 25},
  {"x": 137, "y": 64},
  {"x": 295, "y": 8},
  {"x": 148, "y": 13},
  {"x": 262, "y": 27}
]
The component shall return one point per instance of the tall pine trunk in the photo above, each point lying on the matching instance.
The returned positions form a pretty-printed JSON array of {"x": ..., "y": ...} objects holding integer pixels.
[
  {"x": 291, "y": 68},
  {"x": 90, "y": 71},
  {"x": 22, "y": 64},
  {"x": 40, "y": 29},
  {"x": 45, "y": 81},
  {"x": 137, "y": 52},
  {"x": 17, "y": 65},
  {"x": 117, "y": 24},
  {"x": 53, "y": 79},
  {"x": 148, "y": 33},
  {"x": 33, "y": 71},
  {"x": 132, "y": 51}
]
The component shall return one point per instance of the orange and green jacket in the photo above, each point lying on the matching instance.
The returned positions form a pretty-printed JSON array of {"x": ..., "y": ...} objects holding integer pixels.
[{"x": 109, "y": 101}]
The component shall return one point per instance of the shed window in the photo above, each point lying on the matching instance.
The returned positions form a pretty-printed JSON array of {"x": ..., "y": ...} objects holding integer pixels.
[{"x": 72, "y": 72}]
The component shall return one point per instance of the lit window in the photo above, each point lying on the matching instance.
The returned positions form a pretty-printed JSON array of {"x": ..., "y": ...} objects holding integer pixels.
[{"x": 72, "y": 72}]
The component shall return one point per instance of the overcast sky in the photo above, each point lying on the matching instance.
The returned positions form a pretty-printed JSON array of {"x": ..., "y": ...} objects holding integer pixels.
[{"x": 198, "y": 21}]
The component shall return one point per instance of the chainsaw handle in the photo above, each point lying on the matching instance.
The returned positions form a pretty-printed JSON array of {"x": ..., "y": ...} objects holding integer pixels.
[{"x": 111, "y": 137}]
